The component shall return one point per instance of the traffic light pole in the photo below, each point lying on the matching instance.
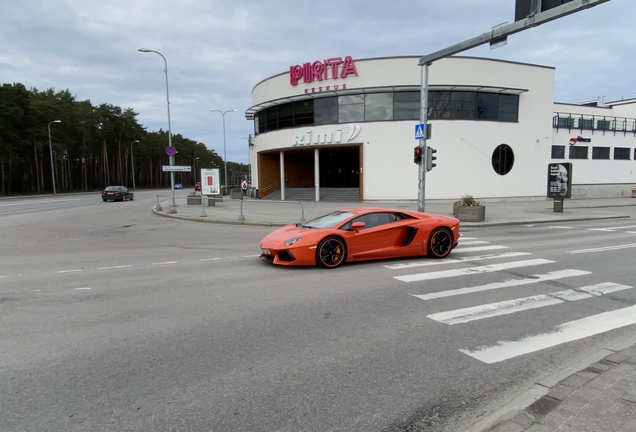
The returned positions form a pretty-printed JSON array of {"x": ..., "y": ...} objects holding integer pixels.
[{"x": 423, "y": 119}]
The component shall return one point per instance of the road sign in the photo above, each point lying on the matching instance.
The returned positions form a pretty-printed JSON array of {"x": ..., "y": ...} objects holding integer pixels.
[
  {"x": 420, "y": 131},
  {"x": 176, "y": 168},
  {"x": 171, "y": 151}
]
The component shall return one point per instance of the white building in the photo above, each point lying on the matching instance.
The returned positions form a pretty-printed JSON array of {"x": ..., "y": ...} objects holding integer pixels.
[{"x": 331, "y": 127}]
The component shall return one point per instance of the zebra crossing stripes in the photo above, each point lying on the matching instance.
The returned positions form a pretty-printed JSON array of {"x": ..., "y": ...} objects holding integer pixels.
[
  {"x": 490, "y": 310},
  {"x": 428, "y": 263},
  {"x": 567, "y": 332},
  {"x": 472, "y": 270}
]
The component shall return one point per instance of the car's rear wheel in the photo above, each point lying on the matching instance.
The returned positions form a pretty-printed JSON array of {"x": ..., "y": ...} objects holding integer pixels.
[
  {"x": 331, "y": 252},
  {"x": 440, "y": 243},
  {"x": 123, "y": 198}
]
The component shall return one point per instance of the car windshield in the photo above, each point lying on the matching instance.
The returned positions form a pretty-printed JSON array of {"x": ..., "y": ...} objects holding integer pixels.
[
  {"x": 326, "y": 221},
  {"x": 112, "y": 188}
]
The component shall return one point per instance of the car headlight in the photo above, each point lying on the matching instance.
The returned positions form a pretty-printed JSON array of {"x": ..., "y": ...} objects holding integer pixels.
[{"x": 291, "y": 241}]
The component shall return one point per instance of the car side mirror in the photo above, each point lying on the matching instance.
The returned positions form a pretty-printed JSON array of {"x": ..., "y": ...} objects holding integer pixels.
[{"x": 357, "y": 226}]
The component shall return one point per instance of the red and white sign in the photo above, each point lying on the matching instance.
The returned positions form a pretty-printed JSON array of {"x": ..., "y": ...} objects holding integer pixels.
[
  {"x": 332, "y": 68},
  {"x": 572, "y": 141}
]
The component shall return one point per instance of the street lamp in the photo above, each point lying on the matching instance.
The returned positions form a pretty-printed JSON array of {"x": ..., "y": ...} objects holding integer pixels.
[
  {"x": 194, "y": 168},
  {"x": 132, "y": 162},
  {"x": 224, "y": 149},
  {"x": 171, "y": 158},
  {"x": 249, "y": 155},
  {"x": 51, "y": 153}
]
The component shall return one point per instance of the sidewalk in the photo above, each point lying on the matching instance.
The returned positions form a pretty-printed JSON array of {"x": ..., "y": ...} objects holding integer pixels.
[
  {"x": 277, "y": 213},
  {"x": 598, "y": 394}
]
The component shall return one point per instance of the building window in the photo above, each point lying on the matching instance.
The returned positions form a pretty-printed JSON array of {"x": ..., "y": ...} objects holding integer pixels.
[
  {"x": 621, "y": 153},
  {"x": 503, "y": 159},
  {"x": 378, "y": 107},
  {"x": 558, "y": 152},
  {"x": 603, "y": 124},
  {"x": 351, "y": 108},
  {"x": 439, "y": 106},
  {"x": 406, "y": 106},
  {"x": 577, "y": 152},
  {"x": 487, "y": 106},
  {"x": 326, "y": 111},
  {"x": 303, "y": 112},
  {"x": 600, "y": 153},
  {"x": 586, "y": 123},
  {"x": 462, "y": 105},
  {"x": 565, "y": 122},
  {"x": 508, "y": 108}
]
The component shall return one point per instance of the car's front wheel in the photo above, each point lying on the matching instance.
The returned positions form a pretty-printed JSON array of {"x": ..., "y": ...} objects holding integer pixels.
[
  {"x": 440, "y": 243},
  {"x": 331, "y": 252}
]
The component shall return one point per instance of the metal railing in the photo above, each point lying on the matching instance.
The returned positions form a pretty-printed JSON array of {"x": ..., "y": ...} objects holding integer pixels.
[{"x": 593, "y": 123}]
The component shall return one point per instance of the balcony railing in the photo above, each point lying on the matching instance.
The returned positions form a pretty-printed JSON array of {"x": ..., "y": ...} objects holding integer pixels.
[{"x": 593, "y": 123}]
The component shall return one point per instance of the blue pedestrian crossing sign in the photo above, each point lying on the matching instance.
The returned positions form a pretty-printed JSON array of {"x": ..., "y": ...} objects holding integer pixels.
[{"x": 420, "y": 131}]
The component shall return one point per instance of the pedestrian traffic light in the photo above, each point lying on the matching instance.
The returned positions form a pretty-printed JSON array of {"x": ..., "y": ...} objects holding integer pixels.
[
  {"x": 417, "y": 155},
  {"x": 430, "y": 158}
]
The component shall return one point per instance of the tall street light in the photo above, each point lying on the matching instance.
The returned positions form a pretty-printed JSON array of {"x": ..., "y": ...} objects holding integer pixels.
[
  {"x": 171, "y": 158},
  {"x": 224, "y": 149},
  {"x": 132, "y": 162},
  {"x": 194, "y": 168},
  {"x": 51, "y": 153}
]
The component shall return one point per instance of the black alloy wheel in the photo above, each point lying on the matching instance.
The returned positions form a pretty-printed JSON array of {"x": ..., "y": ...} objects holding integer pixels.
[
  {"x": 440, "y": 243},
  {"x": 331, "y": 252}
]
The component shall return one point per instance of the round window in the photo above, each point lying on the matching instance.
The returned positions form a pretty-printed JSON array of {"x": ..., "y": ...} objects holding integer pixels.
[{"x": 503, "y": 159}]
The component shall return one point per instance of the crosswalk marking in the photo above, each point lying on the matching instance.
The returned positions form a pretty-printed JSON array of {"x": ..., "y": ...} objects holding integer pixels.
[
  {"x": 490, "y": 310},
  {"x": 567, "y": 332},
  {"x": 471, "y": 270},
  {"x": 472, "y": 242},
  {"x": 604, "y": 249},
  {"x": 428, "y": 263},
  {"x": 559, "y": 274},
  {"x": 478, "y": 248},
  {"x": 611, "y": 228}
]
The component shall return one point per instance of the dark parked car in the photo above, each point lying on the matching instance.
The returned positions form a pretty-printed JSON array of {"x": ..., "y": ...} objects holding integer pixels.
[{"x": 117, "y": 193}]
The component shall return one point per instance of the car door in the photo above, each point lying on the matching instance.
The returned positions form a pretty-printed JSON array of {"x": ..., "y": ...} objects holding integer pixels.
[{"x": 379, "y": 238}]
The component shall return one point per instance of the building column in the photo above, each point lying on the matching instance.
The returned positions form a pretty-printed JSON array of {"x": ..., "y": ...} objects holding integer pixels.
[
  {"x": 282, "y": 176},
  {"x": 317, "y": 173}
]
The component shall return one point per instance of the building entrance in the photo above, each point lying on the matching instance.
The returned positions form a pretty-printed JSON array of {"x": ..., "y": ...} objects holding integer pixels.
[{"x": 340, "y": 167}]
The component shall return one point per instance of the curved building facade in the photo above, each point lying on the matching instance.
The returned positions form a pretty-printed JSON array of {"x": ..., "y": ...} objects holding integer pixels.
[{"x": 345, "y": 129}]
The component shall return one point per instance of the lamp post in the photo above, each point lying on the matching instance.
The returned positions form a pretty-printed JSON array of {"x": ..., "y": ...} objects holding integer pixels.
[
  {"x": 132, "y": 162},
  {"x": 224, "y": 149},
  {"x": 171, "y": 158},
  {"x": 194, "y": 168},
  {"x": 51, "y": 153},
  {"x": 249, "y": 156}
]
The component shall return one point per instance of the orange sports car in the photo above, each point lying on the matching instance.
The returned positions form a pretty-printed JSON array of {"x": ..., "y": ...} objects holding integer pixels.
[{"x": 359, "y": 234}]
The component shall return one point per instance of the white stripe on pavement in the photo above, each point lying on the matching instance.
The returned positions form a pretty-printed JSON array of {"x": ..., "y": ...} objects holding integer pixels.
[
  {"x": 490, "y": 310},
  {"x": 68, "y": 271},
  {"x": 113, "y": 267},
  {"x": 449, "y": 261},
  {"x": 604, "y": 288},
  {"x": 567, "y": 332},
  {"x": 604, "y": 249},
  {"x": 471, "y": 270},
  {"x": 460, "y": 249},
  {"x": 559, "y": 274},
  {"x": 166, "y": 262},
  {"x": 472, "y": 242}
]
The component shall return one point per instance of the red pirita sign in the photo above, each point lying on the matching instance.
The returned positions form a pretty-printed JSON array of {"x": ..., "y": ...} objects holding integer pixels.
[{"x": 332, "y": 68}]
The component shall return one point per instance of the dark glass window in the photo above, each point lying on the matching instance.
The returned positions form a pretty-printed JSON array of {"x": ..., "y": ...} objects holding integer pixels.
[
  {"x": 558, "y": 152},
  {"x": 285, "y": 116},
  {"x": 586, "y": 123},
  {"x": 463, "y": 105},
  {"x": 600, "y": 153},
  {"x": 350, "y": 108},
  {"x": 271, "y": 118},
  {"x": 378, "y": 106},
  {"x": 303, "y": 112},
  {"x": 509, "y": 108},
  {"x": 621, "y": 153},
  {"x": 577, "y": 152},
  {"x": 326, "y": 111},
  {"x": 487, "y": 106},
  {"x": 603, "y": 124},
  {"x": 565, "y": 122},
  {"x": 406, "y": 106},
  {"x": 439, "y": 105},
  {"x": 503, "y": 158}
]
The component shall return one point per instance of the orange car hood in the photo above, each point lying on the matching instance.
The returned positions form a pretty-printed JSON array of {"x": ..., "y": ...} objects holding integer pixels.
[{"x": 288, "y": 232}]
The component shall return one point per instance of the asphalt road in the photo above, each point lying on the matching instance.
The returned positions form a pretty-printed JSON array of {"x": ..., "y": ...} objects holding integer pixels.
[{"x": 112, "y": 318}]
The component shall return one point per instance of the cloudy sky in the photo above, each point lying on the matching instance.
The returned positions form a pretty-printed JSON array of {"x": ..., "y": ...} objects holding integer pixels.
[{"x": 217, "y": 51}]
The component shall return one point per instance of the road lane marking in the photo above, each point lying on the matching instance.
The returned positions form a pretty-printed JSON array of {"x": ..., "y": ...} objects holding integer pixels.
[
  {"x": 251, "y": 256},
  {"x": 611, "y": 228},
  {"x": 471, "y": 270},
  {"x": 453, "y": 260},
  {"x": 460, "y": 249},
  {"x": 472, "y": 242},
  {"x": 603, "y": 249},
  {"x": 80, "y": 289},
  {"x": 165, "y": 262},
  {"x": 38, "y": 202},
  {"x": 567, "y": 332},
  {"x": 210, "y": 259},
  {"x": 68, "y": 271},
  {"x": 490, "y": 310},
  {"x": 559, "y": 274},
  {"x": 113, "y": 267}
]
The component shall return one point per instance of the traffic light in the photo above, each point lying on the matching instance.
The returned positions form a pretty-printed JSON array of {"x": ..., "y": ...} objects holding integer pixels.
[
  {"x": 417, "y": 155},
  {"x": 430, "y": 158}
]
